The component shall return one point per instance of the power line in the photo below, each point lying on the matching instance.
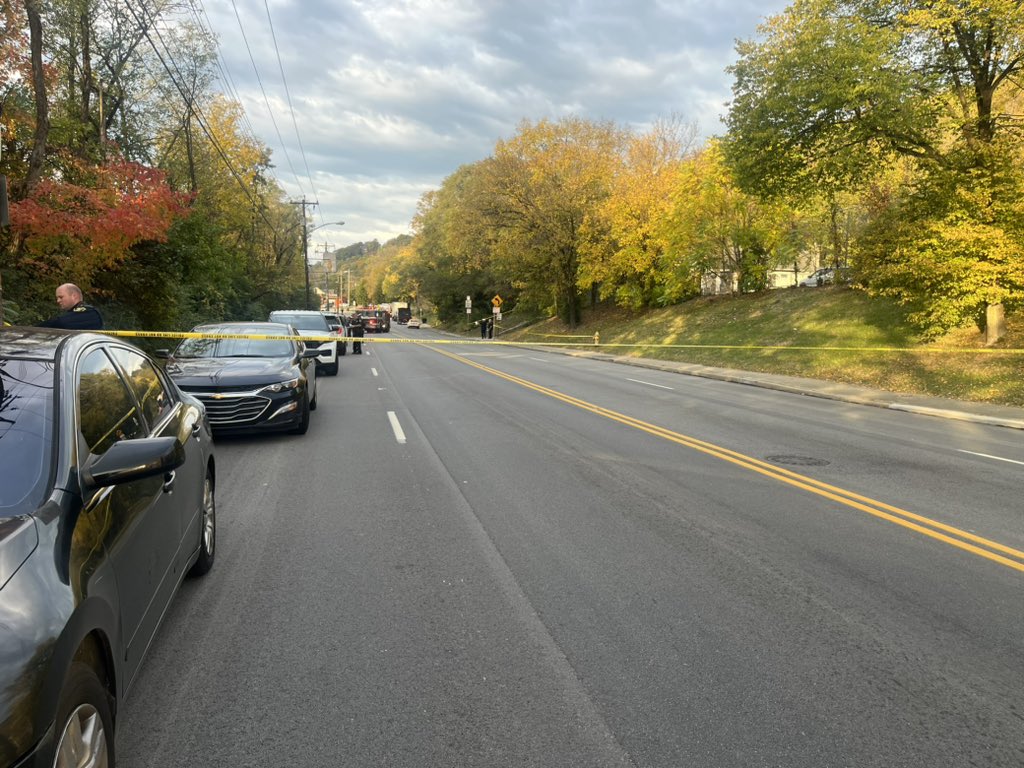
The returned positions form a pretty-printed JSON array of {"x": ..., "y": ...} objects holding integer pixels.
[
  {"x": 291, "y": 108},
  {"x": 195, "y": 109},
  {"x": 265, "y": 97},
  {"x": 222, "y": 65}
]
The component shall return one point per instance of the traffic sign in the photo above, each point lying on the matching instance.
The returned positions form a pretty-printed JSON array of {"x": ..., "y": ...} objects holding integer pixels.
[{"x": 496, "y": 301}]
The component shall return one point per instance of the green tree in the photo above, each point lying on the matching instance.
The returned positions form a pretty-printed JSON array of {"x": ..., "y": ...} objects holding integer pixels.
[
  {"x": 839, "y": 88},
  {"x": 453, "y": 250},
  {"x": 716, "y": 229}
]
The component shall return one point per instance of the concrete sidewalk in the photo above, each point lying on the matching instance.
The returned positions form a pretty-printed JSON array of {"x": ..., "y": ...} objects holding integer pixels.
[{"x": 981, "y": 413}]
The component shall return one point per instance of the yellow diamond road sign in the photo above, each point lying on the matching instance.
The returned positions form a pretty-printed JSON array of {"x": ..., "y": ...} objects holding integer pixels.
[{"x": 496, "y": 301}]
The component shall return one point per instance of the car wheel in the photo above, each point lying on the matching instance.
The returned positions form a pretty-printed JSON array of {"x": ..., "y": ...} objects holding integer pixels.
[
  {"x": 332, "y": 369},
  {"x": 316, "y": 396},
  {"x": 343, "y": 349},
  {"x": 208, "y": 532},
  {"x": 85, "y": 727},
  {"x": 303, "y": 426}
]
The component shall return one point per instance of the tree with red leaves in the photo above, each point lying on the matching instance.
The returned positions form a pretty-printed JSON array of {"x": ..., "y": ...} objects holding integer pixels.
[{"x": 76, "y": 229}]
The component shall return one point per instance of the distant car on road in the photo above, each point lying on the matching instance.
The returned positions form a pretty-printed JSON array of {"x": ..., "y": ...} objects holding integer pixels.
[
  {"x": 248, "y": 385},
  {"x": 375, "y": 320},
  {"x": 106, "y": 503},
  {"x": 414, "y": 322},
  {"x": 825, "y": 276}
]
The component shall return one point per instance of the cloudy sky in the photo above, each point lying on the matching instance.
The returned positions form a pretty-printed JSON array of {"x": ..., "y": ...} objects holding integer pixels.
[{"x": 382, "y": 99}]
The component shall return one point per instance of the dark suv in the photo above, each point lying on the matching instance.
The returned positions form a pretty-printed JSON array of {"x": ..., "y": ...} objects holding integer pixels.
[{"x": 376, "y": 320}]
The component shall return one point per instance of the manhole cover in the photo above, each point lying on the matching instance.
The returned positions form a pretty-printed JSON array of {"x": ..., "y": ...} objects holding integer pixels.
[{"x": 797, "y": 461}]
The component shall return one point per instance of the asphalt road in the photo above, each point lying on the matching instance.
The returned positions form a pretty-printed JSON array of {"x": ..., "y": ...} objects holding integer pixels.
[{"x": 482, "y": 555}]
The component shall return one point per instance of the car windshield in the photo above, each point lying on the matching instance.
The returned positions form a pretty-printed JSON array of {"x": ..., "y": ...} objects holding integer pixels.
[
  {"x": 302, "y": 322},
  {"x": 234, "y": 348},
  {"x": 26, "y": 434}
]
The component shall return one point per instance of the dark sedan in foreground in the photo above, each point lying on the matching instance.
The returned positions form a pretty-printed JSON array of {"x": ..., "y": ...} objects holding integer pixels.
[
  {"x": 248, "y": 384},
  {"x": 106, "y": 503}
]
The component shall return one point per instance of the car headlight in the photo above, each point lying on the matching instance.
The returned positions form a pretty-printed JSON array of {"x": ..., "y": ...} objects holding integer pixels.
[{"x": 281, "y": 386}]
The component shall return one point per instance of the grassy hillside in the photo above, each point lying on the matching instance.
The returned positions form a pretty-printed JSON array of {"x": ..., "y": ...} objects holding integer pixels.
[{"x": 957, "y": 366}]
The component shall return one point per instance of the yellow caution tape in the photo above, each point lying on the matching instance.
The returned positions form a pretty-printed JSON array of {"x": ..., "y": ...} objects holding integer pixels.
[{"x": 375, "y": 339}]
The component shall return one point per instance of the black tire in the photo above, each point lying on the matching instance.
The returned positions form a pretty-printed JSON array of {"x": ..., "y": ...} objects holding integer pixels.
[
  {"x": 316, "y": 396},
  {"x": 343, "y": 348},
  {"x": 208, "y": 530},
  {"x": 84, "y": 726},
  {"x": 303, "y": 426},
  {"x": 332, "y": 369}
]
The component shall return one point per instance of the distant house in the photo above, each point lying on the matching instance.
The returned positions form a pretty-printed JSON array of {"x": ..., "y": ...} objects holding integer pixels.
[
  {"x": 717, "y": 283},
  {"x": 788, "y": 278}
]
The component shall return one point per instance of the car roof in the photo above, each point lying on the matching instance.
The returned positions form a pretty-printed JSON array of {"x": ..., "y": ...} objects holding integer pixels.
[
  {"x": 241, "y": 326},
  {"x": 296, "y": 312},
  {"x": 38, "y": 343}
]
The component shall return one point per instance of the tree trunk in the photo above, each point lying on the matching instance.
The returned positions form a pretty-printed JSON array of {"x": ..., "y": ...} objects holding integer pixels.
[
  {"x": 995, "y": 324},
  {"x": 85, "y": 84},
  {"x": 35, "y": 163},
  {"x": 194, "y": 184}
]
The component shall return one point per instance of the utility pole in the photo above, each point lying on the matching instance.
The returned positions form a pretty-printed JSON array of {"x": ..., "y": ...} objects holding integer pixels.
[
  {"x": 305, "y": 242},
  {"x": 323, "y": 265}
]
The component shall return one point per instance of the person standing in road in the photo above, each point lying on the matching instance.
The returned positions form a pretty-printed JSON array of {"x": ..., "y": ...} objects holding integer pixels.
[
  {"x": 75, "y": 314},
  {"x": 355, "y": 329}
]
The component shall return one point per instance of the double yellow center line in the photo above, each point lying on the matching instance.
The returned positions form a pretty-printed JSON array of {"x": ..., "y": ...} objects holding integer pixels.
[{"x": 956, "y": 537}]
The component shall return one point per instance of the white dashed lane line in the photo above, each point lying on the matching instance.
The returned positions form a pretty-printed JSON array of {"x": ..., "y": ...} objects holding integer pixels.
[
  {"x": 396, "y": 427},
  {"x": 649, "y": 384},
  {"x": 997, "y": 458}
]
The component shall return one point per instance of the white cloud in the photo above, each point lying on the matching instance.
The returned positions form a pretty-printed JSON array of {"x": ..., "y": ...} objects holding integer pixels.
[{"x": 391, "y": 96}]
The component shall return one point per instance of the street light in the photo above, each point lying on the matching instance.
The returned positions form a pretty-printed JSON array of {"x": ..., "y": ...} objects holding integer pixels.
[{"x": 306, "y": 232}]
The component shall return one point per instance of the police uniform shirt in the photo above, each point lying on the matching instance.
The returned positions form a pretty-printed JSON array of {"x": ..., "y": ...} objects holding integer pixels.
[{"x": 80, "y": 317}]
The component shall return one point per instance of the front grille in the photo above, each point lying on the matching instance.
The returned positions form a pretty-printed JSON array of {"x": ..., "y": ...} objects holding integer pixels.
[
  {"x": 201, "y": 390},
  {"x": 313, "y": 344},
  {"x": 233, "y": 410}
]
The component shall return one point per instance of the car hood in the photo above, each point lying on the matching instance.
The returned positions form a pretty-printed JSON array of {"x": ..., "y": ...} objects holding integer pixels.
[{"x": 231, "y": 371}]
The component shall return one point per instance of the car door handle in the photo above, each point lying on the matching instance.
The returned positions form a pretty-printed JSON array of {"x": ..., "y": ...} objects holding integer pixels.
[
  {"x": 196, "y": 427},
  {"x": 169, "y": 482}
]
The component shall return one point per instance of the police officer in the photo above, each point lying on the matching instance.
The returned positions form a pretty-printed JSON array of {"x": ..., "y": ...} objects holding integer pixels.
[
  {"x": 75, "y": 314},
  {"x": 355, "y": 329}
]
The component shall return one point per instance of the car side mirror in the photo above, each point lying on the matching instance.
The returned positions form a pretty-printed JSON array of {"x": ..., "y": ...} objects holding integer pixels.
[
  {"x": 335, "y": 327},
  {"x": 128, "y": 460}
]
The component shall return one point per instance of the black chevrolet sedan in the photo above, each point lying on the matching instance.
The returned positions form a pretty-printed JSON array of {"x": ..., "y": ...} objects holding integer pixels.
[
  {"x": 248, "y": 384},
  {"x": 106, "y": 504}
]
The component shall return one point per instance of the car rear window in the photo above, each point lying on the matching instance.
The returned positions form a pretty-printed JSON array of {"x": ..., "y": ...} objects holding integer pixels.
[
  {"x": 234, "y": 348},
  {"x": 311, "y": 322},
  {"x": 26, "y": 434}
]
